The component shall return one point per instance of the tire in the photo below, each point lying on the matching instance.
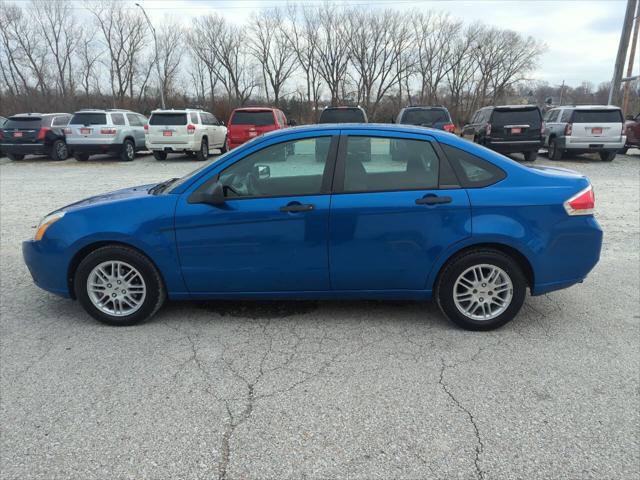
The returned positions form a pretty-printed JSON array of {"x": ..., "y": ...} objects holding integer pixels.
[
  {"x": 607, "y": 156},
  {"x": 449, "y": 282},
  {"x": 145, "y": 278},
  {"x": 225, "y": 147},
  {"x": 623, "y": 151},
  {"x": 59, "y": 151},
  {"x": 555, "y": 153},
  {"x": 530, "y": 156},
  {"x": 203, "y": 153},
  {"x": 81, "y": 157},
  {"x": 15, "y": 156},
  {"x": 159, "y": 155},
  {"x": 128, "y": 152}
]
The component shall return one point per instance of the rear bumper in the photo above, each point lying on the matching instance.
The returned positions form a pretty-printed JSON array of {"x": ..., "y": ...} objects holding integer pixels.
[
  {"x": 592, "y": 144},
  {"x": 513, "y": 146},
  {"x": 191, "y": 146},
  {"x": 92, "y": 148},
  {"x": 25, "y": 148},
  {"x": 47, "y": 270},
  {"x": 235, "y": 143}
]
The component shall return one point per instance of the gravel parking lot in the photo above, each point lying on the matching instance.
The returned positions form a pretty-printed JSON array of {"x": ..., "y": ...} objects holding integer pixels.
[{"x": 315, "y": 390}]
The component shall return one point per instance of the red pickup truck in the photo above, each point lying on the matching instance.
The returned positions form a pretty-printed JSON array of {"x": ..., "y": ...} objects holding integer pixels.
[{"x": 632, "y": 131}]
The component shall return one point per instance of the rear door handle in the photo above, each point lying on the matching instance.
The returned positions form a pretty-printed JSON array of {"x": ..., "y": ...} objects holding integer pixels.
[
  {"x": 432, "y": 200},
  {"x": 297, "y": 207}
]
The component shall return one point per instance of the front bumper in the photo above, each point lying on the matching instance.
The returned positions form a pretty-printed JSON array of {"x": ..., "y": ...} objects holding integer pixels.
[
  {"x": 48, "y": 270},
  {"x": 513, "y": 146},
  {"x": 591, "y": 144},
  {"x": 24, "y": 148}
]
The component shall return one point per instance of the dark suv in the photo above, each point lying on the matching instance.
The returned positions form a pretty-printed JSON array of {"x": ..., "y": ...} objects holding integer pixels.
[
  {"x": 343, "y": 115},
  {"x": 507, "y": 129},
  {"x": 432, "y": 117},
  {"x": 35, "y": 134}
]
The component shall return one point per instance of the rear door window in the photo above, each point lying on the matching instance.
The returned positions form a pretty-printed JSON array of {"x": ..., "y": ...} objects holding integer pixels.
[
  {"x": 89, "y": 119},
  {"x": 117, "y": 119},
  {"x": 530, "y": 117},
  {"x": 23, "y": 123},
  {"x": 253, "y": 118},
  {"x": 472, "y": 171},
  {"x": 374, "y": 164},
  {"x": 133, "y": 120},
  {"x": 597, "y": 116},
  {"x": 168, "y": 119}
]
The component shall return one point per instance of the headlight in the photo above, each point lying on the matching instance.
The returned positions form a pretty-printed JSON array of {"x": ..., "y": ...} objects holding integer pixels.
[{"x": 45, "y": 223}]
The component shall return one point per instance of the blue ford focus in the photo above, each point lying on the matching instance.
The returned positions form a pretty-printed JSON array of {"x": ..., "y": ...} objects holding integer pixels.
[{"x": 307, "y": 213}]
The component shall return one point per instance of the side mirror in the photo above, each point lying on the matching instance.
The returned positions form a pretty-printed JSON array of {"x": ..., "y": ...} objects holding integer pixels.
[
  {"x": 211, "y": 194},
  {"x": 262, "y": 172},
  {"x": 292, "y": 122}
]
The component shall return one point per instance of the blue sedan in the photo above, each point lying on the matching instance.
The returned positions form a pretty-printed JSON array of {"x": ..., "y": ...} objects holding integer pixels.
[{"x": 307, "y": 213}]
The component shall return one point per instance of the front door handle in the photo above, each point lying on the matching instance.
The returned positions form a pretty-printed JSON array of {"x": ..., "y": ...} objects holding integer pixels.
[
  {"x": 432, "y": 200},
  {"x": 297, "y": 207}
]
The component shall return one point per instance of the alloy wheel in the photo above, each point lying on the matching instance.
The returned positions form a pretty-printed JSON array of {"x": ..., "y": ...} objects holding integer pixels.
[
  {"x": 116, "y": 288},
  {"x": 483, "y": 292}
]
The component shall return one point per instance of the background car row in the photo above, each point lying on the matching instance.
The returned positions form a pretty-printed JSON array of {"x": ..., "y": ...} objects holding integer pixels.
[{"x": 507, "y": 129}]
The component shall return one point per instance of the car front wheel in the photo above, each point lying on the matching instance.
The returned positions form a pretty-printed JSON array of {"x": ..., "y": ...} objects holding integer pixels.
[
  {"x": 530, "y": 156},
  {"x": 15, "y": 156},
  {"x": 203, "y": 153},
  {"x": 119, "y": 286},
  {"x": 555, "y": 152},
  {"x": 607, "y": 156},
  {"x": 128, "y": 152},
  {"x": 481, "y": 290}
]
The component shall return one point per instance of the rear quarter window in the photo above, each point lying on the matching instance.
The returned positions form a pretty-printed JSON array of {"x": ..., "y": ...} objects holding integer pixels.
[
  {"x": 169, "y": 119},
  {"x": 529, "y": 116},
  {"x": 259, "y": 119},
  {"x": 117, "y": 119},
  {"x": 597, "y": 116},
  {"x": 472, "y": 171},
  {"x": 89, "y": 119}
]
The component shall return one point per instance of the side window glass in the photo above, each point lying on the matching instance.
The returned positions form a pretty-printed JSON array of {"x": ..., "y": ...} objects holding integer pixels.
[
  {"x": 118, "y": 119},
  {"x": 285, "y": 169},
  {"x": 387, "y": 164},
  {"x": 143, "y": 120},
  {"x": 193, "y": 118},
  {"x": 566, "y": 116},
  {"x": 551, "y": 116},
  {"x": 214, "y": 121},
  {"x": 60, "y": 121},
  {"x": 133, "y": 120},
  {"x": 472, "y": 171}
]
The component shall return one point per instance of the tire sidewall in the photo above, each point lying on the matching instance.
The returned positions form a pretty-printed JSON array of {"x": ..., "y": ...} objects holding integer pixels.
[
  {"x": 54, "y": 151},
  {"x": 153, "y": 283},
  {"x": 444, "y": 290},
  {"x": 160, "y": 155},
  {"x": 125, "y": 151},
  {"x": 204, "y": 147}
]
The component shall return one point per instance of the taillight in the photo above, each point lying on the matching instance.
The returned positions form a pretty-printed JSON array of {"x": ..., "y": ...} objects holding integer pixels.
[
  {"x": 582, "y": 203},
  {"x": 108, "y": 131},
  {"x": 67, "y": 131},
  {"x": 191, "y": 129},
  {"x": 146, "y": 129},
  {"x": 449, "y": 127},
  {"x": 42, "y": 132},
  {"x": 488, "y": 129},
  {"x": 568, "y": 129}
]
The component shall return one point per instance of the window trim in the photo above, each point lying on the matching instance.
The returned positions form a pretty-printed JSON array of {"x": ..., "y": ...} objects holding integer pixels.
[
  {"x": 338, "y": 179},
  {"x": 325, "y": 184}
]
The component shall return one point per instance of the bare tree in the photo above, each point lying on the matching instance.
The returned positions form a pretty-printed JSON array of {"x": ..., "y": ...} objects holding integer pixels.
[
  {"x": 332, "y": 52},
  {"x": 170, "y": 51},
  {"x": 269, "y": 46}
]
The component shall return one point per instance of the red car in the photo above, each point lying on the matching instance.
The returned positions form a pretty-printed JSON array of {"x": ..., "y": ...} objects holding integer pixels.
[
  {"x": 632, "y": 131},
  {"x": 247, "y": 123}
]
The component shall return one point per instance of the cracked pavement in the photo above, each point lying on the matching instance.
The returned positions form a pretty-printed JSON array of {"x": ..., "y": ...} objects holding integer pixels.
[{"x": 316, "y": 390}]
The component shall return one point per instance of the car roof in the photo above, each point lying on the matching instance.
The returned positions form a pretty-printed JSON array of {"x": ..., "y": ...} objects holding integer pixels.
[
  {"x": 177, "y": 110},
  {"x": 255, "y": 109},
  {"x": 591, "y": 107},
  {"x": 425, "y": 107},
  {"x": 36, "y": 115},
  {"x": 344, "y": 107},
  {"x": 374, "y": 127},
  {"x": 103, "y": 110}
]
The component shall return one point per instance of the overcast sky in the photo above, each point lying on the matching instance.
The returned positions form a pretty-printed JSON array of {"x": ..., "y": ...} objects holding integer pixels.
[{"x": 581, "y": 35}]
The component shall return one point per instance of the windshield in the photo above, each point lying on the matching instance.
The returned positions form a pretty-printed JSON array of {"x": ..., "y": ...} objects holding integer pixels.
[
  {"x": 599, "y": 116},
  {"x": 425, "y": 117},
  {"x": 168, "y": 119},
  {"x": 530, "y": 116},
  {"x": 253, "y": 118},
  {"x": 19, "y": 122},
  {"x": 342, "y": 115},
  {"x": 89, "y": 119}
]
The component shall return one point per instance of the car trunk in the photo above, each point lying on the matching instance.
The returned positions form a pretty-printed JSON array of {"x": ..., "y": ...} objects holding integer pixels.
[
  {"x": 21, "y": 130},
  {"x": 86, "y": 125},
  {"x": 245, "y": 125},
  {"x": 516, "y": 124},
  {"x": 169, "y": 128},
  {"x": 596, "y": 126}
]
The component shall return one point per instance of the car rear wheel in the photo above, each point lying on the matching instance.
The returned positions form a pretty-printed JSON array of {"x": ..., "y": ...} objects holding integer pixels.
[
  {"x": 224, "y": 147},
  {"x": 81, "y": 157},
  {"x": 128, "y": 152},
  {"x": 118, "y": 286},
  {"x": 203, "y": 153},
  {"x": 607, "y": 156},
  {"x": 481, "y": 289},
  {"x": 555, "y": 152},
  {"x": 159, "y": 155},
  {"x": 59, "y": 150},
  {"x": 623, "y": 151},
  {"x": 15, "y": 156},
  {"x": 530, "y": 156}
]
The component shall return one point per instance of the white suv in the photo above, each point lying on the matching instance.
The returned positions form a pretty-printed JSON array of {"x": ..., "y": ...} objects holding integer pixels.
[{"x": 193, "y": 132}]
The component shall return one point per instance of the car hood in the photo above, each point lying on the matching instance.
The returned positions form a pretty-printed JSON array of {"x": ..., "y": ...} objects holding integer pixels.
[{"x": 110, "y": 197}]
